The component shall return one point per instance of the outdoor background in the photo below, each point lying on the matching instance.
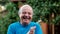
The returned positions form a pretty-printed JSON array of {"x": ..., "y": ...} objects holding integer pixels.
[{"x": 47, "y": 11}]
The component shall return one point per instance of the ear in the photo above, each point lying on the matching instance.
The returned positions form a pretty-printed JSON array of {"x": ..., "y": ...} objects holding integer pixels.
[{"x": 19, "y": 15}]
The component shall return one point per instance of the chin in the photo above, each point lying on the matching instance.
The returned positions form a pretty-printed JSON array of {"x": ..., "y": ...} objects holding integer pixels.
[{"x": 26, "y": 22}]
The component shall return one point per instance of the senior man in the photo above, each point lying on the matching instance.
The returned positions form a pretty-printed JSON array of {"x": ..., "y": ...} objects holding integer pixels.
[{"x": 25, "y": 26}]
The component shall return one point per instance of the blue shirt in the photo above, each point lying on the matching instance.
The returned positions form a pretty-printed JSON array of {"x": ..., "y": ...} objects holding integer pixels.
[{"x": 17, "y": 28}]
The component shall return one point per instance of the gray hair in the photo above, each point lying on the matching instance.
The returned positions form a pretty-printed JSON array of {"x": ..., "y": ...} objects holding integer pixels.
[{"x": 20, "y": 9}]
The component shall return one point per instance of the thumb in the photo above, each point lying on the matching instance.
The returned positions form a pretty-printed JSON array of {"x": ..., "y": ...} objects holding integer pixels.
[{"x": 33, "y": 27}]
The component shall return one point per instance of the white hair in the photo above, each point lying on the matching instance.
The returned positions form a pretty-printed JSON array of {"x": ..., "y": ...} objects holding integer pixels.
[{"x": 20, "y": 9}]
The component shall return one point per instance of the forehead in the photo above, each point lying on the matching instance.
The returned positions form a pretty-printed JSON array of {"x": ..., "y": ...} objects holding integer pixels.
[{"x": 27, "y": 9}]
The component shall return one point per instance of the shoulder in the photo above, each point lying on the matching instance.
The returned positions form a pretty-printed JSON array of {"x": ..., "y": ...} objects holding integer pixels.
[
  {"x": 13, "y": 24},
  {"x": 35, "y": 23}
]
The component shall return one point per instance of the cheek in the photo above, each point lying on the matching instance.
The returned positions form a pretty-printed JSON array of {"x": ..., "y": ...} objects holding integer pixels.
[
  {"x": 31, "y": 16},
  {"x": 20, "y": 16}
]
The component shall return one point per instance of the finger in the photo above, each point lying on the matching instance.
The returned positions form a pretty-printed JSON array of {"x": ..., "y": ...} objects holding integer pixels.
[{"x": 31, "y": 33}]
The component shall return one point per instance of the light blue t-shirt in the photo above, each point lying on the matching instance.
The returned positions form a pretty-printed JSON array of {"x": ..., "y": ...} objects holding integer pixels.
[{"x": 17, "y": 28}]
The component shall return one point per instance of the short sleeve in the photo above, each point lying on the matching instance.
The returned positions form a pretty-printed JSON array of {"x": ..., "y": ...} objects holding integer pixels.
[{"x": 38, "y": 29}]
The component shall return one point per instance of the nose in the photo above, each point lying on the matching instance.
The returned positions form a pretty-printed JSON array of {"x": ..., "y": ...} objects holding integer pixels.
[{"x": 26, "y": 14}]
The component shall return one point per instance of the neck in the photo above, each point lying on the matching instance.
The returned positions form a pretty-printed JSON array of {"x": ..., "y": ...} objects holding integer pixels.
[{"x": 23, "y": 23}]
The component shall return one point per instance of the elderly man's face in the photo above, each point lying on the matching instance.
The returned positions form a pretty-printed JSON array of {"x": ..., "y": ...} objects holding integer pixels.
[{"x": 26, "y": 15}]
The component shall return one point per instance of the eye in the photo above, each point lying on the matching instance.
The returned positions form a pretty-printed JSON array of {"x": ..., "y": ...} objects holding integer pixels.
[
  {"x": 29, "y": 13},
  {"x": 24, "y": 12}
]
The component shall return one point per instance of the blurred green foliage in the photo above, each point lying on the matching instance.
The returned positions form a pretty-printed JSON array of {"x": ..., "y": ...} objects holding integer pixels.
[
  {"x": 11, "y": 16},
  {"x": 42, "y": 10}
]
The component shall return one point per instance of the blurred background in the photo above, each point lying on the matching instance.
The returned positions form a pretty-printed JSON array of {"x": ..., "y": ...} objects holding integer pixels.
[{"x": 46, "y": 12}]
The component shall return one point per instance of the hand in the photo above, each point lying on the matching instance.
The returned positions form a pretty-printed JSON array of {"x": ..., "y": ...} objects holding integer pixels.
[{"x": 32, "y": 30}]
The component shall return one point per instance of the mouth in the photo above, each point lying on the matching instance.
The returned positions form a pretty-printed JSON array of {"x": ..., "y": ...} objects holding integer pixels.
[{"x": 26, "y": 17}]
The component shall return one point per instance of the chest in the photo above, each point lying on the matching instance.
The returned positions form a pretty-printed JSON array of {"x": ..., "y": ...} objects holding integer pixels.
[{"x": 22, "y": 30}]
